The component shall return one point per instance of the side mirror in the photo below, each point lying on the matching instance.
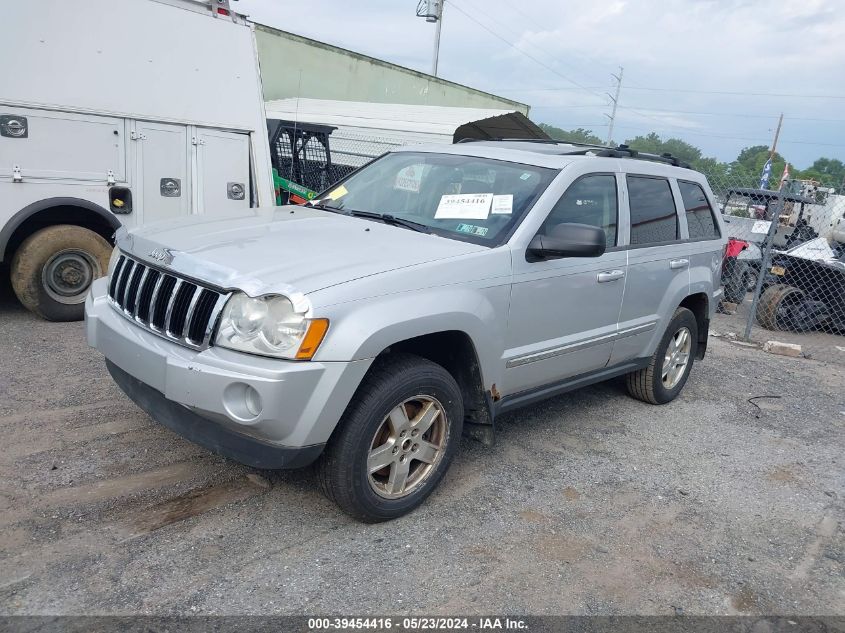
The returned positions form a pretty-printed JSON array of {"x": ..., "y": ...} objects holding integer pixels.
[{"x": 568, "y": 240}]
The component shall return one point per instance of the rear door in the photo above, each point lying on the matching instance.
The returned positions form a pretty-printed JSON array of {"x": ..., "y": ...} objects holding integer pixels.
[
  {"x": 658, "y": 265},
  {"x": 222, "y": 172},
  {"x": 705, "y": 247},
  {"x": 163, "y": 171}
]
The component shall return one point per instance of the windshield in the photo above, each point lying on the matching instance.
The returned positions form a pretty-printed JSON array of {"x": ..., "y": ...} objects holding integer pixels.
[{"x": 466, "y": 198}]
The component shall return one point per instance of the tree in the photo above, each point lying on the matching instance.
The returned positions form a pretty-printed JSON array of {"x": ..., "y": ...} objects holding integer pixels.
[
  {"x": 653, "y": 144},
  {"x": 579, "y": 135}
]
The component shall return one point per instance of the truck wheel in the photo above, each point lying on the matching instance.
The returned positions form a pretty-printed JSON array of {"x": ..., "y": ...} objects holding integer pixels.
[
  {"x": 781, "y": 307},
  {"x": 395, "y": 440},
  {"x": 53, "y": 269},
  {"x": 667, "y": 372}
]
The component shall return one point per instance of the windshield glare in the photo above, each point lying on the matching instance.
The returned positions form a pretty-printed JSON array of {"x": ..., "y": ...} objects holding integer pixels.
[{"x": 467, "y": 198}]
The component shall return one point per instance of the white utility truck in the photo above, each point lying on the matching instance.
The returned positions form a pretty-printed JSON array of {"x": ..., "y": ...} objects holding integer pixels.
[{"x": 119, "y": 112}]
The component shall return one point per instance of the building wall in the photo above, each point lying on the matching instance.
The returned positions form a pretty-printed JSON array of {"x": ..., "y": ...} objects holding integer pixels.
[{"x": 292, "y": 65}]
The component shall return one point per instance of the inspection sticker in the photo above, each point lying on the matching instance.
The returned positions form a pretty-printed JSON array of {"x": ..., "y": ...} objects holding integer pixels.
[
  {"x": 502, "y": 204},
  {"x": 464, "y": 206},
  {"x": 481, "y": 231}
]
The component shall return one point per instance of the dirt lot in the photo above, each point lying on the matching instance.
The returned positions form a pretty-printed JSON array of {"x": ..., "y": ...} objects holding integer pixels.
[{"x": 591, "y": 503}]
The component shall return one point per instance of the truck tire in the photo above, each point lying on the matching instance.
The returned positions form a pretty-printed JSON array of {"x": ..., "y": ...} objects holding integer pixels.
[
  {"x": 53, "y": 269},
  {"x": 406, "y": 416},
  {"x": 670, "y": 365},
  {"x": 779, "y": 309}
]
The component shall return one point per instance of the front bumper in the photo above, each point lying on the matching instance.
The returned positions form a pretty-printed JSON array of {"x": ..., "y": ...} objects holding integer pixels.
[{"x": 200, "y": 394}]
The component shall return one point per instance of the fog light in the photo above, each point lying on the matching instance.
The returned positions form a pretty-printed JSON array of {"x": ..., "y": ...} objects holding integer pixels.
[
  {"x": 253, "y": 401},
  {"x": 242, "y": 402}
]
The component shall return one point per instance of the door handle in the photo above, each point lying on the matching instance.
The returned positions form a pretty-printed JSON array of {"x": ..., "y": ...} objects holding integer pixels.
[
  {"x": 678, "y": 263},
  {"x": 611, "y": 275}
]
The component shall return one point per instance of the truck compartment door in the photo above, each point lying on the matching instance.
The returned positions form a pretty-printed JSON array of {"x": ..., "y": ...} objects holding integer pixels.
[
  {"x": 61, "y": 145},
  {"x": 163, "y": 170},
  {"x": 222, "y": 172}
]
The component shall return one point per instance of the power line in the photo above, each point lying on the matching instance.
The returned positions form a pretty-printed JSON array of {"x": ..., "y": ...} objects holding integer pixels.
[
  {"x": 686, "y": 90},
  {"x": 526, "y": 54}
]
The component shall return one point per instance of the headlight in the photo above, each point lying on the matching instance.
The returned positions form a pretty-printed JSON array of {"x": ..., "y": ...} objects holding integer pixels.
[{"x": 269, "y": 326}]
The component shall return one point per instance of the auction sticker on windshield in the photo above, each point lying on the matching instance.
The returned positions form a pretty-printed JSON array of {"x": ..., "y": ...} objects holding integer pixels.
[
  {"x": 502, "y": 204},
  {"x": 464, "y": 206}
]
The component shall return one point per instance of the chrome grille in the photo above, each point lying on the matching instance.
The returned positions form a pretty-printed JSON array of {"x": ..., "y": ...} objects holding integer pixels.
[{"x": 172, "y": 307}]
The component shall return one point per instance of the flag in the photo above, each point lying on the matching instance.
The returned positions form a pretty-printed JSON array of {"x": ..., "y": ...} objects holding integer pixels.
[
  {"x": 785, "y": 176},
  {"x": 764, "y": 177}
]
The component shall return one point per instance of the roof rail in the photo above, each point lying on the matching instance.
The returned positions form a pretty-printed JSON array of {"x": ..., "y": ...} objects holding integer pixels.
[
  {"x": 623, "y": 151},
  {"x": 620, "y": 151}
]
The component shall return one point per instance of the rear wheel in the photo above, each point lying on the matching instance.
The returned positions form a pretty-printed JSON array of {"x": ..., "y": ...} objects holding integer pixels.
[
  {"x": 667, "y": 372},
  {"x": 53, "y": 269},
  {"x": 783, "y": 307},
  {"x": 395, "y": 440}
]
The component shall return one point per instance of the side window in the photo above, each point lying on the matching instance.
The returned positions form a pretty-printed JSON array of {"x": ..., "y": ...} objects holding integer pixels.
[
  {"x": 589, "y": 200},
  {"x": 653, "y": 214},
  {"x": 700, "y": 220}
]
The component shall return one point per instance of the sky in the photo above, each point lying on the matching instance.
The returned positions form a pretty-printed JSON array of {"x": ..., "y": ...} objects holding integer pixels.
[{"x": 715, "y": 73}]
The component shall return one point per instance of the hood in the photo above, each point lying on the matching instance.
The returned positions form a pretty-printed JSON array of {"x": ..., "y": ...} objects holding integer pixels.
[{"x": 285, "y": 249}]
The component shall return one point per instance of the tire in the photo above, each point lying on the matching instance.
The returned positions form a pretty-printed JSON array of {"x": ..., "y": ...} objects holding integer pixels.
[
  {"x": 343, "y": 470},
  {"x": 53, "y": 269},
  {"x": 775, "y": 309},
  {"x": 649, "y": 384}
]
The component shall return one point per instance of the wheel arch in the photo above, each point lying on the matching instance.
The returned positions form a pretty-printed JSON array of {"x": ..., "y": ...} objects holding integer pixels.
[
  {"x": 51, "y": 212},
  {"x": 454, "y": 350},
  {"x": 699, "y": 305}
]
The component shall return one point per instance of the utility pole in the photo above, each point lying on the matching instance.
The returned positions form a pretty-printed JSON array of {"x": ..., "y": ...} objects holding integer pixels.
[
  {"x": 432, "y": 11},
  {"x": 775, "y": 142},
  {"x": 615, "y": 100}
]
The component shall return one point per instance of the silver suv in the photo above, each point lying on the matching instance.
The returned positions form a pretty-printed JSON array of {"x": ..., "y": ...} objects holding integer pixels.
[{"x": 431, "y": 291}]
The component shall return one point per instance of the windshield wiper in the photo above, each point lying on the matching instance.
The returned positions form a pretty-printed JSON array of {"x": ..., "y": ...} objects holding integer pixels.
[
  {"x": 324, "y": 207},
  {"x": 392, "y": 219}
]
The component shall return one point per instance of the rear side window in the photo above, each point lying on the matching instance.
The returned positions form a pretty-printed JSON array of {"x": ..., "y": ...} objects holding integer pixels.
[
  {"x": 653, "y": 215},
  {"x": 700, "y": 220}
]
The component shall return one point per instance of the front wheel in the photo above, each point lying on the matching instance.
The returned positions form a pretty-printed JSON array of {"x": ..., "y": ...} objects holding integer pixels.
[
  {"x": 53, "y": 269},
  {"x": 668, "y": 369},
  {"x": 395, "y": 440}
]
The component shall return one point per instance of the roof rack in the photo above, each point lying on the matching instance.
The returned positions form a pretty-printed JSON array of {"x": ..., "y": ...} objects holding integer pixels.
[
  {"x": 620, "y": 151},
  {"x": 623, "y": 151}
]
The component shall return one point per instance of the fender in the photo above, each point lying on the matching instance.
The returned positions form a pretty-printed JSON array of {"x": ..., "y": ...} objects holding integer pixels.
[{"x": 48, "y": 203}]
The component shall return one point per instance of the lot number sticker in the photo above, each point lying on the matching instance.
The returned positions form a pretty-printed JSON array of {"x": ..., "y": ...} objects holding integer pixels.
[
  {"x": 464, "y": 206},
  {"x": 761, "y": 226}
]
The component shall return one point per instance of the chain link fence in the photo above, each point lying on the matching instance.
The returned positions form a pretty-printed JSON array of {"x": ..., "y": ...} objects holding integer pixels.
[{"x": 784, "y": 270}]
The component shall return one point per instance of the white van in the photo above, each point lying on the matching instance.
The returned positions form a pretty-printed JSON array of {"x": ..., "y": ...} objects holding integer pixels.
[{"x": 119, "y": 112}]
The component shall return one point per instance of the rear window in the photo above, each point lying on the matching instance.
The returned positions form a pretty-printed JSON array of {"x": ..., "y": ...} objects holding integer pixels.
[
  {"x": 653, "y": 215},
  {"x": 700, "y": 220}
]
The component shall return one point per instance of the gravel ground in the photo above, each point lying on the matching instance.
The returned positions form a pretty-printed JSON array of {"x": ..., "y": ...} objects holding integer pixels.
[{"x": 591, "y": 503}]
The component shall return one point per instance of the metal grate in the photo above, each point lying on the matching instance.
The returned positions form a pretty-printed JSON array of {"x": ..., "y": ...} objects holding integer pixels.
[{"x": 170, "y": 306}]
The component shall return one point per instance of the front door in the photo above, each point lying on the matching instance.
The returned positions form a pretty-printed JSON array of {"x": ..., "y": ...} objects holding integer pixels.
[{"x": 564, "y": 312}]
